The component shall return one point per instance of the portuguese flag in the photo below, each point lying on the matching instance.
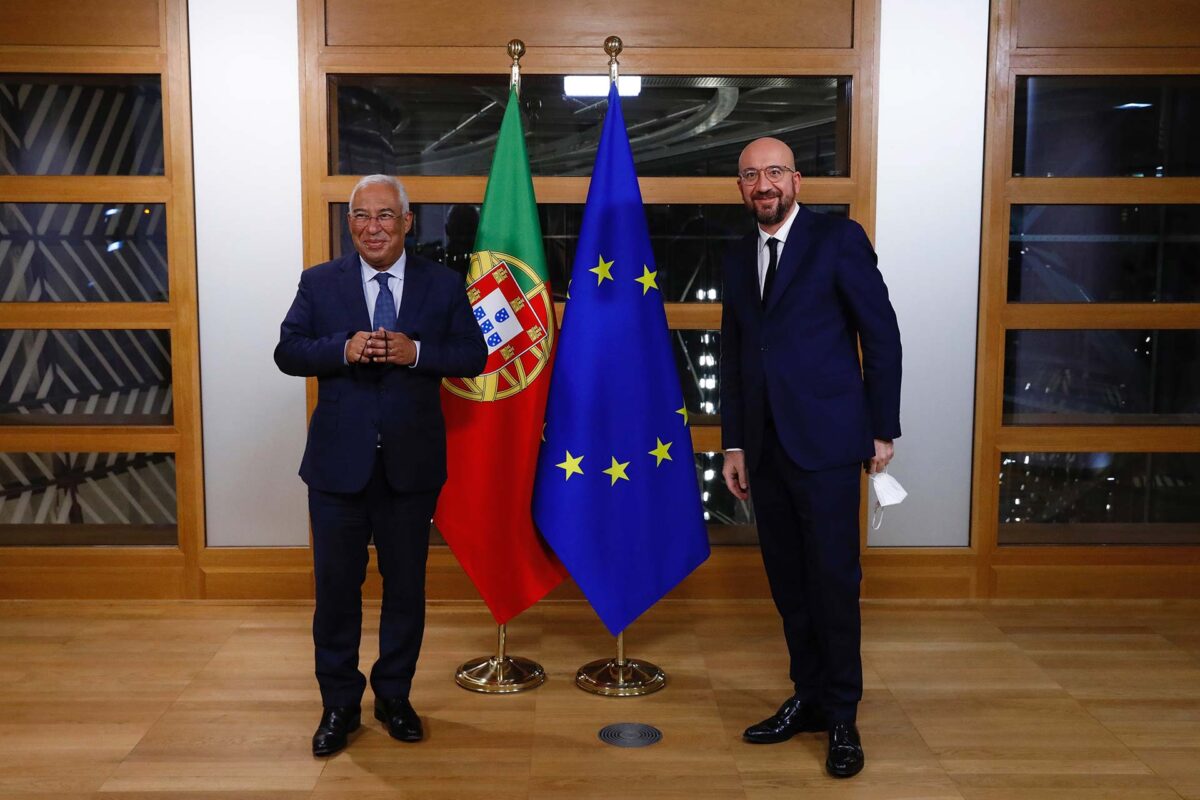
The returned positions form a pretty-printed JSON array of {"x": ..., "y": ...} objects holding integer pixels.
[{"x": 494, "y": 421}]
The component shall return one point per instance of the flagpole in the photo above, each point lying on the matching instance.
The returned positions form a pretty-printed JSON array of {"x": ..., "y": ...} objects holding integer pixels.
[
  {"x": 502, "y": 673},
  {"x": 619, "y": 677}
]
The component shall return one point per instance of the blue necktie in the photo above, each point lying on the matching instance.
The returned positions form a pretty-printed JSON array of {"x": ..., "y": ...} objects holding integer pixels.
[{"x": 385, "y": 306}]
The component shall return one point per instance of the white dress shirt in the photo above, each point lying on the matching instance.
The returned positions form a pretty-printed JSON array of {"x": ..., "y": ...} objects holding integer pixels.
[
  {"x": 764, "y": 252},
  {"x": 371, "y": 294}
]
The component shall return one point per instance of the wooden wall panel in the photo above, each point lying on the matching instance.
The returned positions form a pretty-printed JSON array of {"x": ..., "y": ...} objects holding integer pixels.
[
  {"x": 112, "y": 23},
  {"x": 1107, "y": 23},
  {"x": 667, "y": 23}
]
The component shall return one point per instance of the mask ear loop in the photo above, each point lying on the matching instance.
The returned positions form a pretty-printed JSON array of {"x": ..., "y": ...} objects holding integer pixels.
[{"x": 877, "y": 512}]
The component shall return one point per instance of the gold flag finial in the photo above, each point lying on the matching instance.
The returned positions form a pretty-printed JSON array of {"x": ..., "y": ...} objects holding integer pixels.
[
  {"x": 613, "y": 46},
  {"x": 516, "y": 49}
]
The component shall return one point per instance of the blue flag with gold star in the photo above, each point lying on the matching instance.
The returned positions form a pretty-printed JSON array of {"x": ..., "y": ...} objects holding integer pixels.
[{"x": 616, "y": 494}]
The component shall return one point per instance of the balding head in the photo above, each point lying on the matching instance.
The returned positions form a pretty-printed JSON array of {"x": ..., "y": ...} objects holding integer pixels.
[{"x": 770, "y": 201}]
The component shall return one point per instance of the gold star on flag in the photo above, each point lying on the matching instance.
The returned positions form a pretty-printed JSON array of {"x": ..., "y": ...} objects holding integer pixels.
[
  {"x": 684, "y": 412},
  {"x": 662, "y": 452},
  {"x": 617, "y": 471},
  {"x": 571, "y": 466},
  {"x": 647, "y": 280},
  {"x": 603, "y": 270}
]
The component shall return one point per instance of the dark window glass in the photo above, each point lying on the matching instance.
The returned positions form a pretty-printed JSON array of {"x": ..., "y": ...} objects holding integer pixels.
[
  {"x": 730, "y": 521},
  {"x": 1099, "y": 498},
  {"x": 678, "y": 125},
  {"x": 1107, "y": 125},
  {"x": 81, "y": 125},
  {"x": 87, "y": 499},
  {"x": 83, "y": 252},
  {"x": 1099, "y": 377},
  {"x": 85, "y": 377},
  {"x": 697, "y": 356},
  {"x": 1104, "y": 254},
  {"x": 688, "y": 241}
]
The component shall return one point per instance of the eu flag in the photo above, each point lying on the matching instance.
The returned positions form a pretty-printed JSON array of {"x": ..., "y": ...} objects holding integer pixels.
[{"x": 616, "y": 494}]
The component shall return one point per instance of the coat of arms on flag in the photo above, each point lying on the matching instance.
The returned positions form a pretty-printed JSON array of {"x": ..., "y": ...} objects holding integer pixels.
[{"x": 514, "y": 312}]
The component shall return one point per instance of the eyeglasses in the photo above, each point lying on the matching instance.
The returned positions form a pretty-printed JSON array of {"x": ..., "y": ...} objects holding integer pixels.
[
  {"x": 774, "y": 173},
  {"x": 386, "y": 219}
]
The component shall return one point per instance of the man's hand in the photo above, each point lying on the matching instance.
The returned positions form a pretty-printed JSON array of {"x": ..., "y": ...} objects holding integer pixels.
[
  {"x": 883, "y": 454},
  {"x": 734, "y": 473},
  {"x": 390, "y": 347},
  {"x": 355, "y": 346}
]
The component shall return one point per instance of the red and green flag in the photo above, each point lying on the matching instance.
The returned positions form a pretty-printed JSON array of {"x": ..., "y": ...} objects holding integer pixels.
[{"x": 494, "y": 421}]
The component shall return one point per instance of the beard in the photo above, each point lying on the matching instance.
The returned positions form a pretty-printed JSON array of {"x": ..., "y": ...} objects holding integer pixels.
[{"x": 768, "y": 216}]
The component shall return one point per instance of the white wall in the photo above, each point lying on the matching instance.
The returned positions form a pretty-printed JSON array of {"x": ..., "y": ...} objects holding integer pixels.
[
  {"x": 246, "y": 117},
  {"x": 246, "y": 133},
  {"x": 932, "y": 93}
]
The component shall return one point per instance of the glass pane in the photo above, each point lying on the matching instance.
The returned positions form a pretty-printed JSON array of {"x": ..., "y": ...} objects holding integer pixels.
[
  {"x": 1102, "y": 377},
  {"x": 81, "y": 125},
  {"x": 678, "y": 125},
  {"x": 730, "y": 521},
  {"x": 83, "y": 252},
  {"x": 1104, "y": 254},
  {"x": 689, "y": 241},
  {"x": 1099, "y": 498},
  {"x": 697, "y": 354},
  {"x": 1107, "y": 125},
  {"x": 85, "y": 377},
  {"x": 87, "y": 499}
]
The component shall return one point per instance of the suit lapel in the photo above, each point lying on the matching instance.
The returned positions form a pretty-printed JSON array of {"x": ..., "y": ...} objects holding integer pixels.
[
  {"x": 416, "y": 283},
  {"x": 351, "y": 287},
  {"x": 797, "y": 245}
]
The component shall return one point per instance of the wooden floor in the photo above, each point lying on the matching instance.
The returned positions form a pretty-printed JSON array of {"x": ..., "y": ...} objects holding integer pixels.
[{"x": 214, "y": 700}]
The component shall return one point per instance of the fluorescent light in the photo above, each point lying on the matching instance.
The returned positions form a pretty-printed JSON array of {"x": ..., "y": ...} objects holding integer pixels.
[
  {"x": 114, "y": 246},
  {"x": 1127, "y": 106},
  {"x": 597, "y": 85}
]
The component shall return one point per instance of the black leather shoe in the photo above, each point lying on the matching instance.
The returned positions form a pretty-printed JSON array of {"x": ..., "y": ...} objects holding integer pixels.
[
  {"x": 845, "y": 751},
  {"x": 337, "y": 722},
  {"x": 401, "y": 720},
  {"x": 794, "y": 716}
]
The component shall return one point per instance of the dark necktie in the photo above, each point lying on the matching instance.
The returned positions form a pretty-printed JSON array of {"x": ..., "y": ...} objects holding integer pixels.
[
  {"x": 772, "y": 265},
  {"x": 385, "y": 305}
]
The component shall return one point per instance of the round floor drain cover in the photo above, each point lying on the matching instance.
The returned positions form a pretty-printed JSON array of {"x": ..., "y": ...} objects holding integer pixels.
[{"x": 630, "y": 734}]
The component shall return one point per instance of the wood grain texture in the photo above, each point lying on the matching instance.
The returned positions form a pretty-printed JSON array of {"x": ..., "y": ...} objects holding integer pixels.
[
  {"x": 1107, "y": 23},
  {"x": 216, "y": 701},
  {"x": 668, "y": 23},
  {"x": 68, "y": 23}
]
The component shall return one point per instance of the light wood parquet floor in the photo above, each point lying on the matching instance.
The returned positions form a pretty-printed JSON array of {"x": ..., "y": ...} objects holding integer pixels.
[{"x": 216, "y": 701}]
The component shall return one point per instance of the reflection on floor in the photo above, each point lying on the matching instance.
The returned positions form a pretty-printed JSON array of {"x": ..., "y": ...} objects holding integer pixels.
[{"x": 207, "y": 700}]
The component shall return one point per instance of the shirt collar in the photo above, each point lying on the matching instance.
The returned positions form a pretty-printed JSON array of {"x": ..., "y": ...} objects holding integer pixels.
[
  {"x": 397, "y": 269},
  {"x": 783, "y": 231}
]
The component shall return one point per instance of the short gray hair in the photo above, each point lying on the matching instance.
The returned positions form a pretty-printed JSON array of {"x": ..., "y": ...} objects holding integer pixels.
[{"x": 385, "y": 179}]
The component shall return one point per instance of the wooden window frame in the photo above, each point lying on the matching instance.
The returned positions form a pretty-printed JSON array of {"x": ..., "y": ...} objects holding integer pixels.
[{"x": 114, "y": 571}]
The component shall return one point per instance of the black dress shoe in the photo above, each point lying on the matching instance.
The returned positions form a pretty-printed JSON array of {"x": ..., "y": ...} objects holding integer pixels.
[
  {"x": 337, "y": 722},
  {"x": 401, "y": 720},
  {"x": 794, "y": 716},
  {"x": 845, "y": 751}
]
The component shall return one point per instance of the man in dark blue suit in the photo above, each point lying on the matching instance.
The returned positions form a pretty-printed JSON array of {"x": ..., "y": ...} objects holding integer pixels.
[
  {"x": 801, "y": 416},
  {"x": 379, "y": 329}
]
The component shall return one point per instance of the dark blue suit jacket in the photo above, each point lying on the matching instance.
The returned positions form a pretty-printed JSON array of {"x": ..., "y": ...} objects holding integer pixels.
[
  {"x": 800, "y": 352},
  {"x": 356, "y": 404}
]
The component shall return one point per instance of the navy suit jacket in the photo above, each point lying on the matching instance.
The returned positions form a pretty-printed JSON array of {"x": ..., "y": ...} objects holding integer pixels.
[
  {"x": 360, "y": 403},
  {"x": 799, "y": 353}
]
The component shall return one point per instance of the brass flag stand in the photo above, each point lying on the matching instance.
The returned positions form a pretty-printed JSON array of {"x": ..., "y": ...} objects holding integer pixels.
[
  {"x": 502, "y": 673},
  {"x": 619, "y": 677}
]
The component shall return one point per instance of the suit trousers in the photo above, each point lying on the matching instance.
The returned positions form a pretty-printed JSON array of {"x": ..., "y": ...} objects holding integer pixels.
[
  {"x": 343, "y": 525},
  {"x": 808, "y": 529}
]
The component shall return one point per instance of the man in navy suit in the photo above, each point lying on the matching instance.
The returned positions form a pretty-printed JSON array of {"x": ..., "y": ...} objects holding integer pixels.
[
  {"x": 800, "y": 417},
  {"x": 379, "y": 329}
]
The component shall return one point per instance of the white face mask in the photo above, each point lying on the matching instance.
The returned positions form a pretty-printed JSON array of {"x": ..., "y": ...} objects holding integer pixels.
[{"x": 888, "y": 492}]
